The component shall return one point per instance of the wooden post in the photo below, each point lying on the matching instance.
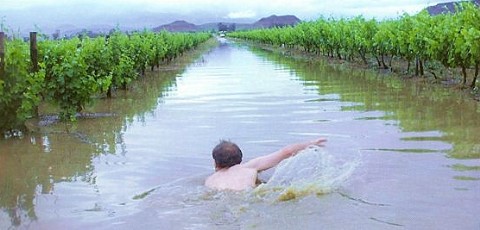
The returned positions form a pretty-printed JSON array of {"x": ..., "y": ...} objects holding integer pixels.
[
  {"x": 34, "y": 51},
  {"x": 2, "y": 54},
  {"x": 34, "y": 60}
]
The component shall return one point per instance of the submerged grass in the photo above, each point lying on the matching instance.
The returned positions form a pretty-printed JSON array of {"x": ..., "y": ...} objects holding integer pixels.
[
  {"x": 461, "y": 168},
  {"x": 466, "y": 178},
  {"x": 143, "y": 195}
]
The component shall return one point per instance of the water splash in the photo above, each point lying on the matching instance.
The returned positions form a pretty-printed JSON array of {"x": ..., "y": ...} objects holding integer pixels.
[{"x": 312, "y": 171}]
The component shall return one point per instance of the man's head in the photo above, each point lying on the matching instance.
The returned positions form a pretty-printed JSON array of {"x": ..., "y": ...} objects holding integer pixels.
[{"x": 226, "y": 154}]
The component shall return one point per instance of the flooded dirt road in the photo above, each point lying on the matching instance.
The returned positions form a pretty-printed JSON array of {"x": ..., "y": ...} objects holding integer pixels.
[{"x": 399, "y": 155}]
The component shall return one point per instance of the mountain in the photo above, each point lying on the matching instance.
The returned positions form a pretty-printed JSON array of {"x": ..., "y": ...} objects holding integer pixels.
[
  {"x": 267, "y": 22},
  {"x": 215, "y": 26},
  {"x": 178, "y": 26},
  {"x": 447, "y": 7},
  {"x": 70, "y": 30},
  {"x": 276, "y": 21}
]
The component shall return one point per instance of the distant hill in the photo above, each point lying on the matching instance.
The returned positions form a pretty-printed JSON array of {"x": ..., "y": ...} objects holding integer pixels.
[
  {"x": 267, "y": 22},
  {"x": 214, "y": 26},
  {"x": 447, "y": 7},
  {"x": 178, "y": 26},
  {"x": 68, "y": 30},
  {"x": 276, "y": 21}
]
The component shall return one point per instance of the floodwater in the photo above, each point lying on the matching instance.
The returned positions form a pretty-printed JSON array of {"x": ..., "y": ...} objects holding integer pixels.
[{"x": 399, "y": 155}]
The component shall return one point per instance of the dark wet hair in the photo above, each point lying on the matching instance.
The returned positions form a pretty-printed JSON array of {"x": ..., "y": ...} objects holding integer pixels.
[{"x": 226, "y": 154}]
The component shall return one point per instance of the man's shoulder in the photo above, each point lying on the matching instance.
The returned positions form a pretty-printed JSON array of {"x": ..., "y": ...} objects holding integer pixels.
[
  {"x": 209, "y": 182},
  {"x": 235, "y": 178},
  {"x": 240, "y": 167}
]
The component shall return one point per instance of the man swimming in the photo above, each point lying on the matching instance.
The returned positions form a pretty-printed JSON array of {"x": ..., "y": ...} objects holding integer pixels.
[{"x": 231, "y": 174}]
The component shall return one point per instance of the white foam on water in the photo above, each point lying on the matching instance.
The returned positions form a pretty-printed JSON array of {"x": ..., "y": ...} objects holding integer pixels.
[{"x": 312, "y": 171}]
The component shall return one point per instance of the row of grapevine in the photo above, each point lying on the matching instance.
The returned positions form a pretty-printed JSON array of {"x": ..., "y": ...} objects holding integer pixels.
[
  {"x": 451, "y": 40},
  {"x": 72, "y": 71}
]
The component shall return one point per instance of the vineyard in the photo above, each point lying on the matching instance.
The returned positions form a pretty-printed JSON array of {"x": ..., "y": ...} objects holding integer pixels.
[
  {"x": 432, "y": 43},
  {"x": 70, "y": 72}
]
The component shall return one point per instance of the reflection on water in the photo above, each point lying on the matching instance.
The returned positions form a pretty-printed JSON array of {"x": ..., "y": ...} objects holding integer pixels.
[
  {"x": 414, "y": 149},
  {"x": 424, "y": 111},
  {"x": 33, "y": 164}
]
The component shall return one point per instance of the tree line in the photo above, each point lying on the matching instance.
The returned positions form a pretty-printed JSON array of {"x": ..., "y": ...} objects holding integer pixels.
[
  {"x": 70, "y": 72},
  {"x": 450, "y": 40}
]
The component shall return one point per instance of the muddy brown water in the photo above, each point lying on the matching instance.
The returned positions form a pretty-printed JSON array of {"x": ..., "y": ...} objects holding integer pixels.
[{"x": 411, "y": 150}]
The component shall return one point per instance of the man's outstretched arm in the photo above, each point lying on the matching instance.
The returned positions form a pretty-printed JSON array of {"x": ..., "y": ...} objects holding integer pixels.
[{"x": 273, "y": 159}]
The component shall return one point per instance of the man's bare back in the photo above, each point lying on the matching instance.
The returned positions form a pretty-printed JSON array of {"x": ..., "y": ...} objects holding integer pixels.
[
  {"x": 233, "y": 175},
  {"x": 236, "y": 177}
]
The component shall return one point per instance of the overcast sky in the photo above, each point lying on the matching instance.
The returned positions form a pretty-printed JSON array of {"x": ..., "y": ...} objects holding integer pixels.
[{"x": 48, "y": 14}]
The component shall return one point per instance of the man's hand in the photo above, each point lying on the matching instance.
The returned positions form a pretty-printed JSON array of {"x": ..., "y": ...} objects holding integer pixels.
[{"x": 318, "y": 142}]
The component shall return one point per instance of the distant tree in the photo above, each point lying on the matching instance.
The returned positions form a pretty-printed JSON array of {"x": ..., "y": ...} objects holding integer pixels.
[
  {"x": 56, "y": 35},
  {"x": 222, "y": 27},
  {"x": 232, "y": 27}
]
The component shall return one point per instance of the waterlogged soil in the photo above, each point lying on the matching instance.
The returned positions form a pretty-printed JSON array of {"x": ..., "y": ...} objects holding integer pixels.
[{"x": 399, "y": 154}]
